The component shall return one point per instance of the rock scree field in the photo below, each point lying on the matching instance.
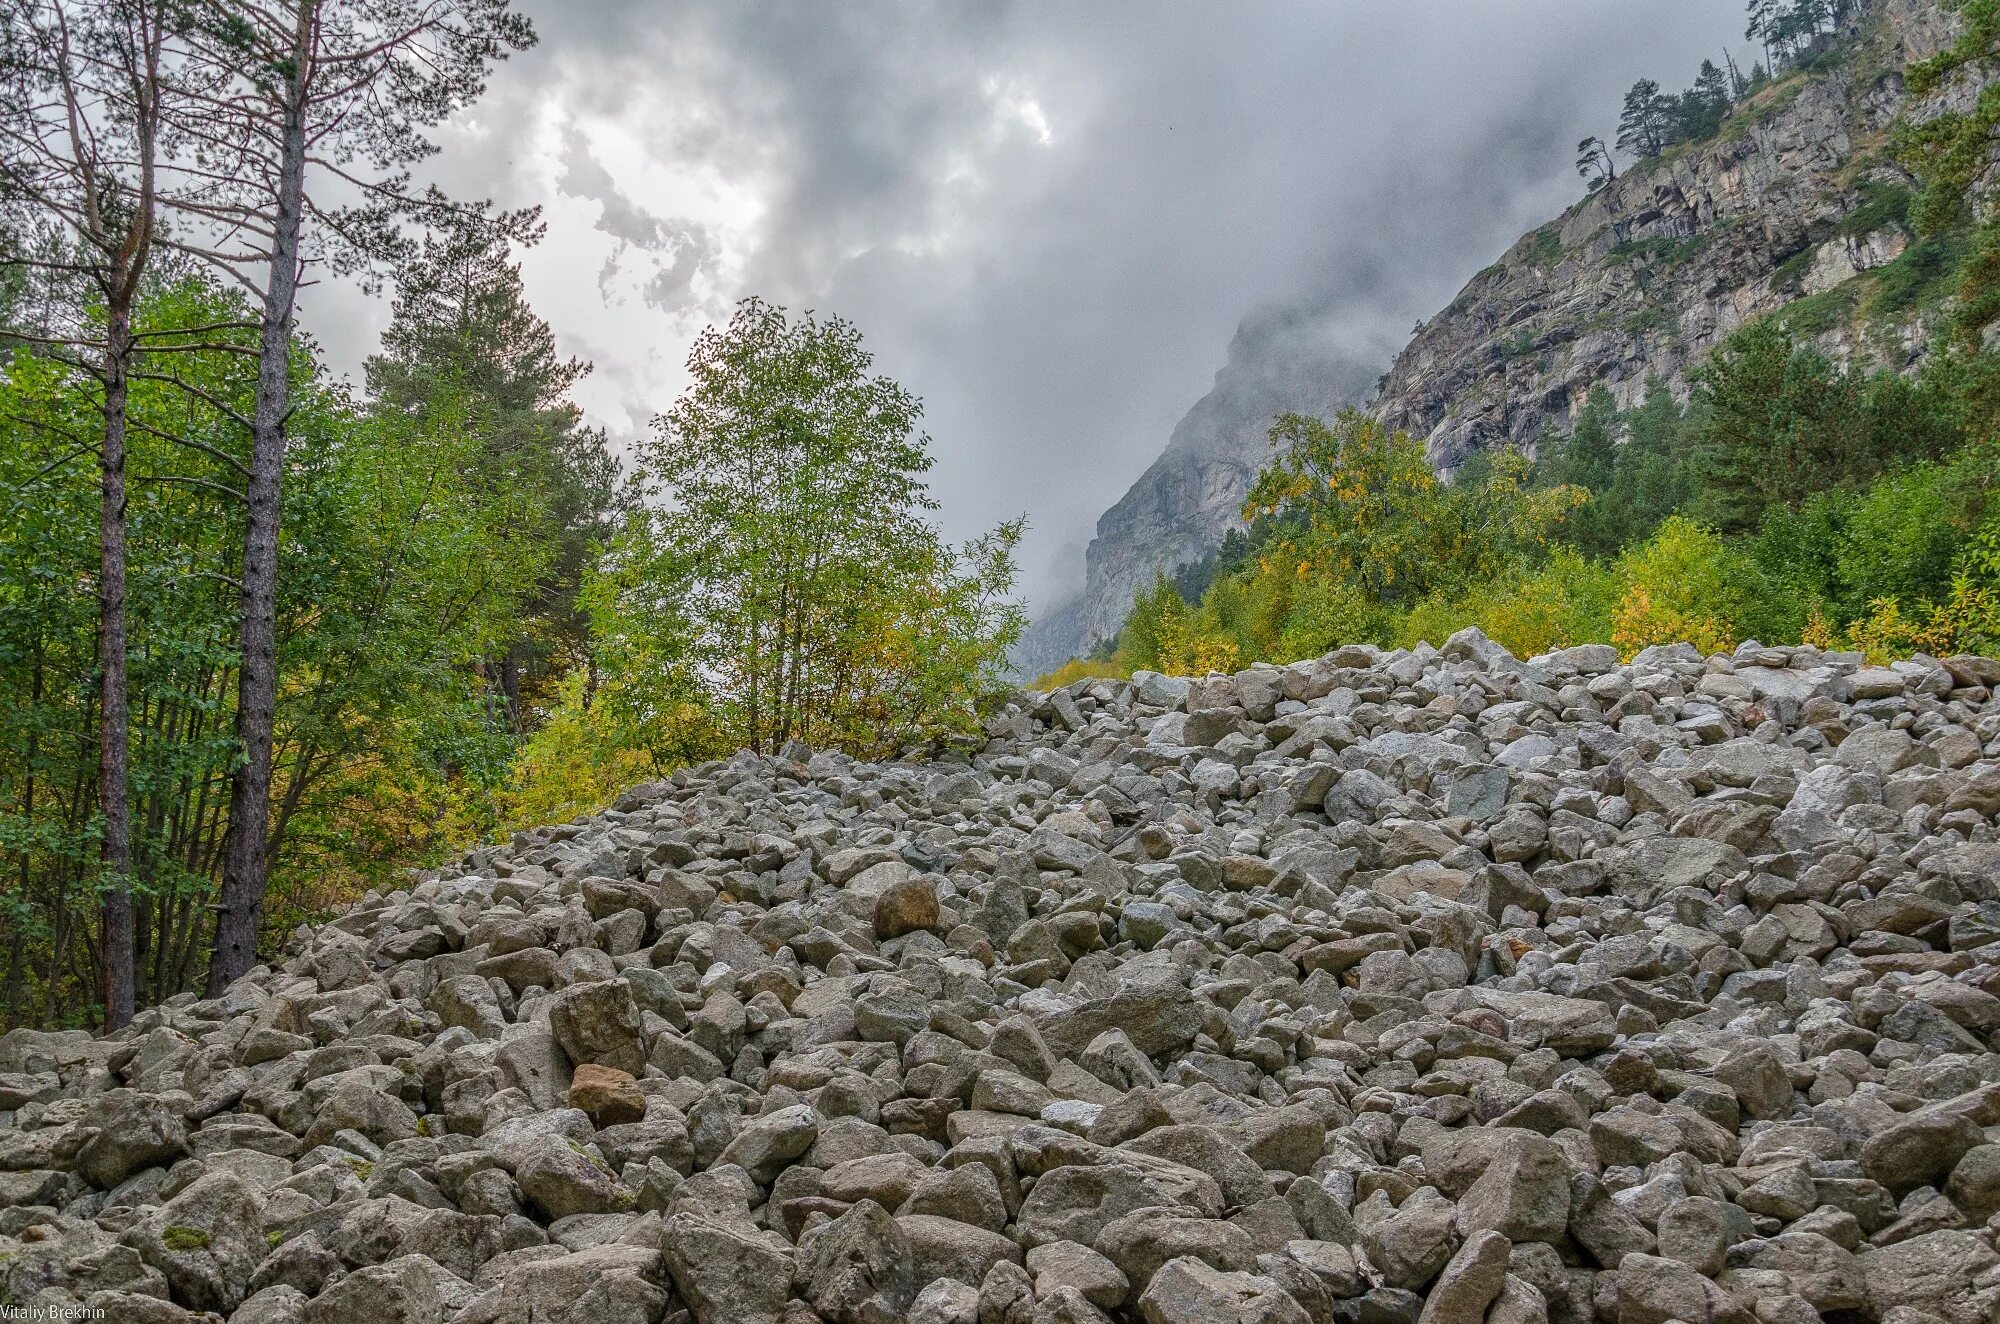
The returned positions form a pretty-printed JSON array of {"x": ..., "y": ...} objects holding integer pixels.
[{"x": 1432, "y": 985}]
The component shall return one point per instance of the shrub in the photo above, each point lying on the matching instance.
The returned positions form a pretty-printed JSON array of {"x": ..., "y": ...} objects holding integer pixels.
[
  {"x": 1076, "y": 669},
  {"x": 1566, "y": 602},
  {"x": 1684, "y": 584}
]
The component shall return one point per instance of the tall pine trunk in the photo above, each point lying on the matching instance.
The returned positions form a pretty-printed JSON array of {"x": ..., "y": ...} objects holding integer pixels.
[
  {"x": 114, "y": 756},
  {"x": 246, "y": 856}
]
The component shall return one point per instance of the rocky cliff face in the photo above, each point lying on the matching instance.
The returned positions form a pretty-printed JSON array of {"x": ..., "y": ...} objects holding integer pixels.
[
  {"x": 1279, "y": 361},
  {"x": 1792, "y": 206}
]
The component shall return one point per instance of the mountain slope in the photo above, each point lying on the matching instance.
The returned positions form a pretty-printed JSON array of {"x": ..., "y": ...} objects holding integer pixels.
[
  {"x": 1280, "y": 360},
  {"x": 1794, "y": 206}
]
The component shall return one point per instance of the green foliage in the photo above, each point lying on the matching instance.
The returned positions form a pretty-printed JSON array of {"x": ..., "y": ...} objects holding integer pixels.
[
  {"x": 1882, "y": 205},
  {"x": 1633, "y": 482},
  {"x": 1949, "y": 152},
  {"x": 1900, "y": 538},
  {"x": 1349, "y": 528},
  {"x": 1788, "y": 499},
  {"x": 1646, "y": 126},
  {"x": 1650, "y": 318},
  {"x": 1663, "y": 252},
  {"x": 787, "y": 584},
  {"x": 1789, "y": 276},
  {"x": 1816, "y": 314},
  {"x": 583, "y": 755},
  {"x": 400, "y": 572},
  {"x": 1685, "y": 584},
  {"x": 183, "y": 1239},
  {"x": 1903, "y": 536},
  {"x": 1076, "y": 669},
  {"x": 1778, "y": 422},
  {"x": 465, "y": 344},
  {"x": 1922, "y": 276},
  {"x": 1564, "y": 602},
  {"x": 1356, "y": 503}
]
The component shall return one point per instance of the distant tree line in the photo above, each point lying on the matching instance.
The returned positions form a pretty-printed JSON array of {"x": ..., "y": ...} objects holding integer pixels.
[{"x": 1788, "y": 499}]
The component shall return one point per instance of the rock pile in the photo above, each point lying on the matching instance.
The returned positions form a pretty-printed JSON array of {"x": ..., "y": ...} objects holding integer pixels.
[{"x": 1424, "y": 986}]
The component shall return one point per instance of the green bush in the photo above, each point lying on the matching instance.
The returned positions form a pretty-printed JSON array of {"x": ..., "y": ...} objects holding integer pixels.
[{"x": 1903, "y": 536}]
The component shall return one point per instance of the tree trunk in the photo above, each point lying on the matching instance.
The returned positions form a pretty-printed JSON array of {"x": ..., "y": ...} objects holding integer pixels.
[
  {"x": 246, "y": 859},
  {"x": 114, "y": 755},
  {"x": 510, "y": 686}
]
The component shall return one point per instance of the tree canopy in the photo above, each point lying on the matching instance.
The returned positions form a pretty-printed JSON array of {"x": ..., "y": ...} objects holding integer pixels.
[{"x": 785, "y": 584}]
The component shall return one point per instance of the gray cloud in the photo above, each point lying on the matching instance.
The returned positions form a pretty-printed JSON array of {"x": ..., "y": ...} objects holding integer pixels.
[
  {"x": 1049, "y": 218},
  {"x": 690, "y": 250},
  {"x": 584, "y": 176}
]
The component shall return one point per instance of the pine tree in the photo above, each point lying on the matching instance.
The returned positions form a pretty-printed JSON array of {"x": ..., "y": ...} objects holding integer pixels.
[
  {"x": 1706, "y": 103},
  {"x": 1647, "y": 118},
  {"x": 463, "y": 331},
  {"x": 1594, "y": 163},
  {"x": 329, "y": 97}
]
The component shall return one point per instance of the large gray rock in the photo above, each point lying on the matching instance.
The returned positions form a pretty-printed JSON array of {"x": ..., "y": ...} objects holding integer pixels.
[
  {"x": 403, "y": 1291},
  {"x": 1188, "y": 1291},
  {"x": 128, "y": 1131},
  {"x": 206, "y": 1241},
  {"x": 727, "y": 1274},
  {"x": 616, "y": 1284},
  {"x": 599, "y": 1022},
  {"x": 858, "y": 1269},
  {"x": 1523, "y": 1194}
]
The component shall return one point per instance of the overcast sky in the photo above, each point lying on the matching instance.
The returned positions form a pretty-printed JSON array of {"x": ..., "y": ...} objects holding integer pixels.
[{"x": 1046, "y": 217}]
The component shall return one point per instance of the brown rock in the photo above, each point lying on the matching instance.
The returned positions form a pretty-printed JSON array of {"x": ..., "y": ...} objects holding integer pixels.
[
  {"x": 609, "y": 1095},
  {"x": 906, "y": 906}
]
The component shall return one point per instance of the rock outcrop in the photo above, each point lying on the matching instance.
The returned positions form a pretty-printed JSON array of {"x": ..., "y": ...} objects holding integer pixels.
[
  {"x": 1418, "y": 986},
  {"x": 1794, "y": 206},
  {"x": 1647, "y": 275},
  {"x": 1178, "y": 511}
]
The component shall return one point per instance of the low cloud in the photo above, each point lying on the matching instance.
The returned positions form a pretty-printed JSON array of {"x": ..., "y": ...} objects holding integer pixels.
[{"x": 1047, "y": 219}]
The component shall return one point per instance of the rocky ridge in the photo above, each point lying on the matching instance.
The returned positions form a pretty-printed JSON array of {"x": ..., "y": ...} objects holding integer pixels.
[
  {"x": 1422, "y": 987},
  {"x": 1177, "y": 512},
  {"x": 1636, "y": 282},
  {"x": 1643, "y": 278}
]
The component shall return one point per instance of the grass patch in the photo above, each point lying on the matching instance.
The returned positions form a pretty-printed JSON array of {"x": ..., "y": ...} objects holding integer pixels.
[
  {"x": 1819, "y": 313},
  {"x": 1650, "y": 318},
  {"x": 1922, "y": 278},
  {"x": 1765, "y": 103},
  {"x": 1663, "y": 251},
  {"x": 1547, "y": 248},
  {"x": 1882, "y": 204},
  {"x": 1517, "y": 346},
  {"x": 1790, "y": 276}
]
